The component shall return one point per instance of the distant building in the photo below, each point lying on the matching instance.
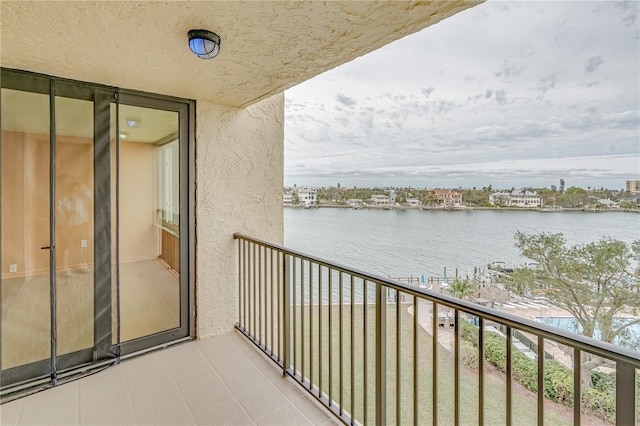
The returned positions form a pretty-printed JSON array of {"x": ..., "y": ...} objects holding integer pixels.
[
  {"x": 354, "y": 202},
  {"x": 392, "y": 197},
  {"x": 379, "y": 200},
  {"x": 608, "y": 203},
  {"x": 500, "y": 198},
  {"x": 448, "y": 197},
  {"x": 516, "y": 198},
  {"x": 523, "y": 198},
  {"x": 413, "y": 202},
  {"x": 288, "y": 199},
  {"x": 307, "y": 197},
  {"x": 633, "y": 186}
]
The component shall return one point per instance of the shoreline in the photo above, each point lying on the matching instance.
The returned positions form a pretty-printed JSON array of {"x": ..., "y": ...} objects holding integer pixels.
[{"x": 483, "y": 208}]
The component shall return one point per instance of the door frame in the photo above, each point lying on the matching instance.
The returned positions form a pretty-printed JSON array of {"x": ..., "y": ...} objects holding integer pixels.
[
  {"x": 104, "y": 349},
  {"x": 186, "y": 115}
]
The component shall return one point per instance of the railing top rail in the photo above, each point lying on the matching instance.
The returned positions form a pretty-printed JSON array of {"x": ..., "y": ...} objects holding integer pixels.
[{"x": 597, "y": 347}]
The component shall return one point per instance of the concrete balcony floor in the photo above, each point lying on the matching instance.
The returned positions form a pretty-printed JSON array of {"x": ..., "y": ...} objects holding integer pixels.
[{"x": 222, "y": 380}]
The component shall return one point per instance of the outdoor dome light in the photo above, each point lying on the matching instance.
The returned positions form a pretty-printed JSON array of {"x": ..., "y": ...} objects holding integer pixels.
[{"x": 205, "y": 44}]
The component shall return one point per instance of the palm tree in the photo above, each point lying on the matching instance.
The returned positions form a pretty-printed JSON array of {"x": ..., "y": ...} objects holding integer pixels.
[{"x": 462, "y": 289}]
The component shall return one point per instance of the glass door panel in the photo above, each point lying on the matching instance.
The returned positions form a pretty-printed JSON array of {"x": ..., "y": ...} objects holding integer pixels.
[
  {"x": 26, "y": 331},
  {"x": 74, "y": 208},
  {"x": 91, "y": 237},
  {"x": 149, "y": 221}
]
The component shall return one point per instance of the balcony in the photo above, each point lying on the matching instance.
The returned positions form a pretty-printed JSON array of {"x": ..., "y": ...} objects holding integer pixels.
[
  {"x": 221, "y": 380},
  {"x": 367, "y": 349},
  {"x": 375, "y": 351}
]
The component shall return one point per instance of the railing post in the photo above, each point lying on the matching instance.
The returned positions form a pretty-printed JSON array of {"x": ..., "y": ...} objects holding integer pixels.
[
  {"x": 286, "y": 312},
  {"x": 625, "y": 394},
  {"x": 381, "y": 354}
]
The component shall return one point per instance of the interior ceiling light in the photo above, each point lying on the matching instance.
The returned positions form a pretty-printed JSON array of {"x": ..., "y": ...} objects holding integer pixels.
[
  {"x": 205, "y": 44},
  {"x": 123, "y": 135},
  {"x": 134, "y": 122}
]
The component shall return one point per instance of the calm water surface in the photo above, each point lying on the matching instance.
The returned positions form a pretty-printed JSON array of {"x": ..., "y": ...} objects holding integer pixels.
[{"x": 401, "y": 243}]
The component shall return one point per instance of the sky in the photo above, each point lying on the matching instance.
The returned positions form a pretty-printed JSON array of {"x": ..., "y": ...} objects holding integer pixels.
[{"x": 508, "y": 94}]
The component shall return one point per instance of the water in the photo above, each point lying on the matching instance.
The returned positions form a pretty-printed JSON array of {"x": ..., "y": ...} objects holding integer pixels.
[
  {"x": 630, "y": 340},
  {"x": 402, "y": 243}
]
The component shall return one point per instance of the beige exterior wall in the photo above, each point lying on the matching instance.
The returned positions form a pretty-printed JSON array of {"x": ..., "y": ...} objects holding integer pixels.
[{"x": 239, "y": 180}]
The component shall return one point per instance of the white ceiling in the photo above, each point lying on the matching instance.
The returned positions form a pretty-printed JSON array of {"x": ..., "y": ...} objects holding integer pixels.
[{"x": 267, "y": 46}]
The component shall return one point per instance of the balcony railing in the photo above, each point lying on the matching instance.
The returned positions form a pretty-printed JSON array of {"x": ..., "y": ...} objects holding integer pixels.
[{"x": 373, "y": 350}]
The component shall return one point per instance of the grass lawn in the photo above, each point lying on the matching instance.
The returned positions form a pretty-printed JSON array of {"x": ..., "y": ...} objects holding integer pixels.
[{"x": 524, "y": 402}]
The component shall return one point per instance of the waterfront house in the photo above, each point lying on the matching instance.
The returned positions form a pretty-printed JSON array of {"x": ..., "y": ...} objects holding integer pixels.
[
  {"x": 379, "y": 200},
  {"x": 607, "y": 203},
  {"x": 128, "y": 166},
  {"x": 448, "y": 197},
  {"x": 307, "y": 197},
  {"x": 413, "y": 202},
  {"x": 287, "y": 199},
  {"x": 524, "y": 198},
  {"x": 516, "y": 198}
]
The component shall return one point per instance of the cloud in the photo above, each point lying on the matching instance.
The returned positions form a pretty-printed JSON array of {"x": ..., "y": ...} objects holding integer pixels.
[
  {"x": 509, "y": 70},
  {"x": 629, "y": 11},
  {"x": 528, "y": 92},
  {"x": 593, "y": 64},
  {"x": 346, "y": 100},
  {"x": 428, "y": 91},
  {"x": 547, "y": 83}
]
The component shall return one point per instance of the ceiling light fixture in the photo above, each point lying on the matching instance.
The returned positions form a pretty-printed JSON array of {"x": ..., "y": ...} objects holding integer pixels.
[
  {"x": 205, "y": 44},
  {"x": 134, "y": 122}
]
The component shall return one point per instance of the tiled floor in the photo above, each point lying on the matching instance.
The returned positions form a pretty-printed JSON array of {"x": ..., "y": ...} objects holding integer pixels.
[{"x": 222, "y": 380}]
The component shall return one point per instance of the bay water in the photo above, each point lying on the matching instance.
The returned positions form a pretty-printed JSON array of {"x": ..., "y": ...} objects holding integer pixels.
[{"x": 413, "y": 242}]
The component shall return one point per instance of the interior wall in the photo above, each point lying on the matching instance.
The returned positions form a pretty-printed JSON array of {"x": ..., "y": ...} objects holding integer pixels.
[
  {"x": 139, "y": 237},
  {"x": 21, "y": 205},
  {"x": 239, "y": 164},
  {"x": 25, "y": 202}
]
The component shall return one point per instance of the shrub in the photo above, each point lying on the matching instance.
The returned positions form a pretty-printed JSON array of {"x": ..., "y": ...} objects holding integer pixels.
[
  {"x": 600, "y": 399},
  {"x": 470, "y": 333},
  {"x": 601, "y": 403},
  {"x": 469, "y": 355},
  {"x": 558, "y": 383}
]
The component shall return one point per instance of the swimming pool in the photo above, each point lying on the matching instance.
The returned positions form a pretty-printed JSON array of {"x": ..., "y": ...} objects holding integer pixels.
[{"x": 631, "y": 340}]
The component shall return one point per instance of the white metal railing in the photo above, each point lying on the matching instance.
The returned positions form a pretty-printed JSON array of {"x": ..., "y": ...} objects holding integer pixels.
[{"x": 372, "y": 350}]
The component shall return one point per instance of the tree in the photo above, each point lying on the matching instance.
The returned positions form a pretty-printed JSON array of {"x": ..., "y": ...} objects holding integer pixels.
[
  {"x": 596, "y": 282},
  {"x": 462, "y": 289},
  {"x": 574, "y": 197}
]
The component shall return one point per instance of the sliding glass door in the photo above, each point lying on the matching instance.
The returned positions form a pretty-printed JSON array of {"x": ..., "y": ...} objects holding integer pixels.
[
  {"x": 151, "y": 160},
  {"x": 26, "y": 229},
  {"x": 96, "y": 225}
]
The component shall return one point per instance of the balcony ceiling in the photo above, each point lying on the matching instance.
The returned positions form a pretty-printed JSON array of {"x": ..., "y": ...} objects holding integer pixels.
[{"x": 266, "y": 46}]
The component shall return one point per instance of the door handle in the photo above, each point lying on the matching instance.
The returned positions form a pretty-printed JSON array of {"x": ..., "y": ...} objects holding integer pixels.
[{"x": 45, "y": 248}]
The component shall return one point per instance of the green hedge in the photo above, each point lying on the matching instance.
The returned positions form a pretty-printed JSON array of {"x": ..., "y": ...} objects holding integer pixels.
[{"x": 600, "y": 399}]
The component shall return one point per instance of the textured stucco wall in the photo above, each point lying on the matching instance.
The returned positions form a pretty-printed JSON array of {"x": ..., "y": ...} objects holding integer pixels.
[{"x": 239, "y": 166}]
